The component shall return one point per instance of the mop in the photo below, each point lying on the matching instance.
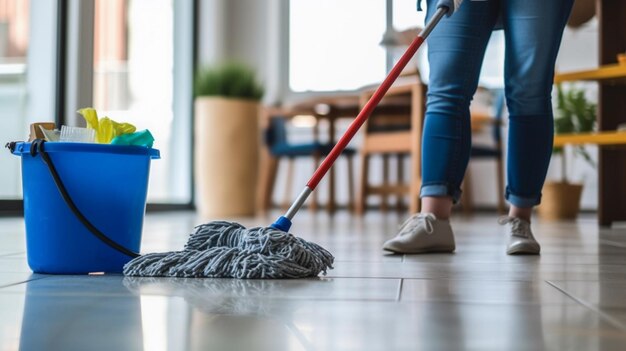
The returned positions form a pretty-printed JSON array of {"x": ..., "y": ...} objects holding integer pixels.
[{"x": 223, "y": 249}]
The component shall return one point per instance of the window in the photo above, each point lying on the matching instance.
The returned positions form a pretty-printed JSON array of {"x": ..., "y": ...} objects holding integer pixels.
[
  {"x": 334, "y": 44},
  {"x": 14, "y": 21},
  {"x": 344, "y": 51},
  {"x": 405, "y": 14},
  {"x": 133, "y": 81},
  {"x": 27, "y": 77}
]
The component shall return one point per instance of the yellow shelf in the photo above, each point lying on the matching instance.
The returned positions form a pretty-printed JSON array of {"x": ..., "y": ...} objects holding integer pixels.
[
  {"x": 600, "y": 138},
  {"x": 608, "y": 72}
]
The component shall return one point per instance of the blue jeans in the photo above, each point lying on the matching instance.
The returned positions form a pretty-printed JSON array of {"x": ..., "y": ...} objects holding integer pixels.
[{"x": 533, "y": 31}]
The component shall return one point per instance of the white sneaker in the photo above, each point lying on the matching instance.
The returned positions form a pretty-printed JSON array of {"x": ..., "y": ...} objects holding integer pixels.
[
  {"x": 521, "y": 239},
  {"x": 422, "y": 233}
]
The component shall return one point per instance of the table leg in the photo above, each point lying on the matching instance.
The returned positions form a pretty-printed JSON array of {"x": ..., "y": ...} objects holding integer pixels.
[
  {"x": 611, "y": 112},
  {"x": 417, "y": 116},
  {"x": 331, "y": 173}
]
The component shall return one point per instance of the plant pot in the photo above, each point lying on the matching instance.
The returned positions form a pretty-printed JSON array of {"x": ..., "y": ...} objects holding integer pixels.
[
  {"x": 560, "y": 201},
  {"x": 226, "y": 156},
  {"x": 582, "y": 12}
]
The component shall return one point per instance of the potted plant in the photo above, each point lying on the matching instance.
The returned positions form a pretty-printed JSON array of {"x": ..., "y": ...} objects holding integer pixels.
[
  {"x": 227, "y": 140},
  {"x": 574, "y": 114}
]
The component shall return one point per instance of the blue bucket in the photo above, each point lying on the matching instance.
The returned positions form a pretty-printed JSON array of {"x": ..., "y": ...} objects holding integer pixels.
[{"x": 108, "y": 184}]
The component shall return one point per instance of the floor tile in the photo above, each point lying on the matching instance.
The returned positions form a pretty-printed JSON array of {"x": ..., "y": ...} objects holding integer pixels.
[
  {"x": 469, "y": 291},
  {"x": 569, "y": 298},
  {"x": 14, "y": 263},
  {"x": 606, "y": 296},
  {"x": 202, "y": 322},
  {"x": 12, "y": 278}
]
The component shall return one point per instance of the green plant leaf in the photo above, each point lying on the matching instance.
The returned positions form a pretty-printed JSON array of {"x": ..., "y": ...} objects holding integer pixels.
[
  {"x": 574, "y": 114},
  {"x": 232, "y": 80}
]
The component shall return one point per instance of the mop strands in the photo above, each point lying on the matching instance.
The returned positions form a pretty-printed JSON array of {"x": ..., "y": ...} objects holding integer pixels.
[{"x": 228, "y": 250}]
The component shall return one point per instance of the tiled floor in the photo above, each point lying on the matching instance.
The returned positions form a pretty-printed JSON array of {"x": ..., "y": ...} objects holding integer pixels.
[{"x": 573, "y": 297}]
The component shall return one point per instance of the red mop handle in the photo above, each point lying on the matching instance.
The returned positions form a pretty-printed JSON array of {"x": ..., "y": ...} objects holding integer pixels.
[{"x": 365, "y": 113}]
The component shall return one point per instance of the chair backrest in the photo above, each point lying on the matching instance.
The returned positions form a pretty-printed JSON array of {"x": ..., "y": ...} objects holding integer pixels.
[{"x": 276, "y": 132}]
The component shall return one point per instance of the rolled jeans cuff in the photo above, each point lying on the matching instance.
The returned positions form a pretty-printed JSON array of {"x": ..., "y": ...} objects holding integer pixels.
[
  {"x": 440, "y": 190},
  {"x": 521, "y": 201}
]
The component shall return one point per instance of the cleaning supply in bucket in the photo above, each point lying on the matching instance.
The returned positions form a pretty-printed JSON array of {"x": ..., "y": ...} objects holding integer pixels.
[
  {"x": 50, "y": 134},
  {"x": 76, "y": 135},
  {"x": 105, "y": 128},
  {"x": 37, "y": 130},
  {"x": 142, "y": 138}
]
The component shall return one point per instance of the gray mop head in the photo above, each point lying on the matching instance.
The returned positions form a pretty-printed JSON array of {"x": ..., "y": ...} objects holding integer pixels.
[{"x": 228, "y": 250}]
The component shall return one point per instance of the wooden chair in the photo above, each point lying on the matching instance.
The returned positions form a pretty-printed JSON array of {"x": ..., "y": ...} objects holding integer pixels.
[{"x": 393, "y": 130}]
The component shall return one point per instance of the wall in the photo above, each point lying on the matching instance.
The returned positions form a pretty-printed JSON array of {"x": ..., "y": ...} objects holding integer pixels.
[{"x": 247, "y": 31}]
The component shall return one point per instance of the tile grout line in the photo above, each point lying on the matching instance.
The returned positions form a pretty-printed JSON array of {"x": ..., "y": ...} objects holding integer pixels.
[
  {"x": 22, "y": 282},
  {"x": 612, "y": 243},
  {"x": 616, "y": 323},
  {"x": 11, "y": 254},
  {"x": 400, "y": 286}
]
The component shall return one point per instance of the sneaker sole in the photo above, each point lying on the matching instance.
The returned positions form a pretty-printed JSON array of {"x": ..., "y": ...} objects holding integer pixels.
[
  {"x": 522, "y": 251},
  {"x": 422, "y": 251}
]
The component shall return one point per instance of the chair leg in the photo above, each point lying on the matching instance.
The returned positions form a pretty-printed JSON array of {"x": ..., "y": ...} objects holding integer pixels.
[
  {"x": 466, "y": 196},
  {"x": 384, "y": 197},
  {"x": 400, "y": 177},
  {"x": 500, "y": 185},
  {"x": 270, "y": 168},
  {"x": 415, "y": 204},
  {"x": 313, "y": 203},
  {"x": 350, "y": 184},
  {"x": 361, "y": 195},
  {"x": 288, "y": 184}
]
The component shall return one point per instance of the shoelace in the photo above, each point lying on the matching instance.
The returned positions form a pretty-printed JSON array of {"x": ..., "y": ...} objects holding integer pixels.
[
  {"x": 518, "y": 227},
  {"x": 425, "y": 220}
]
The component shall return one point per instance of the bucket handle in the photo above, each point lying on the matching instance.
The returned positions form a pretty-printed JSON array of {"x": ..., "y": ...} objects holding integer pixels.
[{"x": 36, "y": 147}]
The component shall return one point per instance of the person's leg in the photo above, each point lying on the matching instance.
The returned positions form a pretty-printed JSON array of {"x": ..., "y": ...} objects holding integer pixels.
[
  {"x": 455, "y": 52},
  {"x": 533, "y": 31}
]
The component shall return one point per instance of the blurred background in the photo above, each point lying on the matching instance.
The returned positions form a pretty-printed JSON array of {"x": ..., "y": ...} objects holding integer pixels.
[{"x": 134, "y": 61}]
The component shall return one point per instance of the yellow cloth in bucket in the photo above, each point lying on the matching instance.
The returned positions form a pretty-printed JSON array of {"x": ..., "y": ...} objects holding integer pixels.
[{"x": 106, "y": 128}]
